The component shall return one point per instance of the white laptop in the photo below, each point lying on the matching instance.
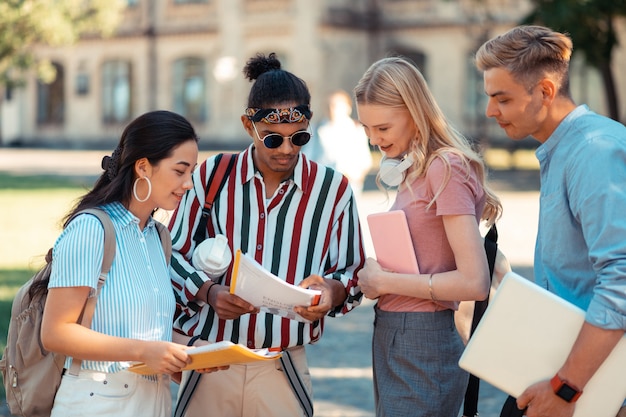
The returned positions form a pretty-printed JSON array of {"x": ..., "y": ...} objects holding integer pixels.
[{"x": 525, "y": 336}]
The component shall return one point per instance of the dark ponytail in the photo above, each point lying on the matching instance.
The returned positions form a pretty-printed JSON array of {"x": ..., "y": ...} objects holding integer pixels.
[{"x": 273, "y": 86}]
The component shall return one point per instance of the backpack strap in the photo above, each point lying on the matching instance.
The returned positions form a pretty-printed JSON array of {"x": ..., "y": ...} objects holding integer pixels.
[
  {"x": 509, "y": 408},
  {"x": 470, "y": 405},
  {"x": 224, "y": 163},
  {"x": 107, "y": 260},
  {"x": 109, "y": 239},
  {"x": 297, "y": 385},
  {"x": 166, "y": 240},
  {"x": 491, "y": 250}
]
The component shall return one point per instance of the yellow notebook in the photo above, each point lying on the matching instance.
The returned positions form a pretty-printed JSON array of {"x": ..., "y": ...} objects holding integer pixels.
[{"x": 216, "y": 354}]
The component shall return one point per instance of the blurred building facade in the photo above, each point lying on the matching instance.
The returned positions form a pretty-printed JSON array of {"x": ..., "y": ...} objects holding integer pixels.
[{"x": 187, "y": 56}]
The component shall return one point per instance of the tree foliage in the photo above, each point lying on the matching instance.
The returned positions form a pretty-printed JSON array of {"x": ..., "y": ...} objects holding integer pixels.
[
  {"x": 591, "y": 25},
  {"x": 26, "y": 23}
]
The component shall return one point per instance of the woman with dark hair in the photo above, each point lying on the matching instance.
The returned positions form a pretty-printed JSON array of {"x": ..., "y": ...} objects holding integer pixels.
[
  {"x": 150, "y": 168},
  {"x": 295, "y": 218}
]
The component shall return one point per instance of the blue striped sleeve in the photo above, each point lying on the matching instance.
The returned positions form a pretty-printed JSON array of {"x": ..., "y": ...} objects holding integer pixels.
[{"x": 77, "y": 254}]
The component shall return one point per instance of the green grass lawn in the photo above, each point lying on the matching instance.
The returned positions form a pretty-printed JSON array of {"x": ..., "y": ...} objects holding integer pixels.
[
  {"x": 32, "y": 209},
  {"x": 10, "y": 281}
]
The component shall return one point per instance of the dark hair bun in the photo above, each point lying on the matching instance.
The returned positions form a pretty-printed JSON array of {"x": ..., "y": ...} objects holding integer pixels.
[{"x": 260, "y": 64}]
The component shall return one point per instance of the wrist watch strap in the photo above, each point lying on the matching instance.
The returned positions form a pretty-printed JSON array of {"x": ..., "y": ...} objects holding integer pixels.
[{"x": 565, "y": 390}]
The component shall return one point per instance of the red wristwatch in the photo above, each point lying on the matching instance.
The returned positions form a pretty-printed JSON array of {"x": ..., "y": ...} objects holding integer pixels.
[{"x": 564, "y": 390}]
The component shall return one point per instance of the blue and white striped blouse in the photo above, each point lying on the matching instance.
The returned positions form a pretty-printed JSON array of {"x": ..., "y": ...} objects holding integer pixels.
[{"x": 137, "y": 300}]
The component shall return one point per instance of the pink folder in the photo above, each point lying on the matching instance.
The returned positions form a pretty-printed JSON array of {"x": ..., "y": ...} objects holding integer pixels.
[{"x": 392, "y": 241}]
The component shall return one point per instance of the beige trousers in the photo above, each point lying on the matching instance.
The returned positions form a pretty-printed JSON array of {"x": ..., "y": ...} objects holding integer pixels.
[{"x": 258, "y": 389}]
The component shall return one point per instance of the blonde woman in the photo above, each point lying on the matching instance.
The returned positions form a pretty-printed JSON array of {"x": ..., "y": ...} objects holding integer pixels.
[{"x": 445, "y": 196}]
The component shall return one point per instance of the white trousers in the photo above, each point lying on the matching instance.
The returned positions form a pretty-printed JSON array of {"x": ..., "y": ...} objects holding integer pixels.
[{"x": 122, "y": 394}]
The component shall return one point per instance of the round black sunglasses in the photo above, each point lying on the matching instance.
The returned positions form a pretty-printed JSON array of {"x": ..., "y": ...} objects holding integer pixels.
[{"x": 274, "y": 140}]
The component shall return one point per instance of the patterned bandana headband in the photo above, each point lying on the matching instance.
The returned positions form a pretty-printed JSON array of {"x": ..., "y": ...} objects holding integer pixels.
[{"x": 289, "y": 115}]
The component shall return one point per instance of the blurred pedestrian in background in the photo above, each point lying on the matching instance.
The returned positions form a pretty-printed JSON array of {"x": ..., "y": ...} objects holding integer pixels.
[{"x": 341, "y": 143}]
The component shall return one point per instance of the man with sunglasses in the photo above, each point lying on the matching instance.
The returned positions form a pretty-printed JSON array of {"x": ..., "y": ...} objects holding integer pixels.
[{"x": 298, "y": 220}]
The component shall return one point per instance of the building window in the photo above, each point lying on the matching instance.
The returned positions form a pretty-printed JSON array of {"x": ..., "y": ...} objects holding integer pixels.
[
  {"x": 82, "y": 84},
  {"x": 51, "y": 99},
  {"x": 479, "y": 129},
  {"x": 416, "y": 57},
  {"x": 190, "y": 88},
  {"x": 116, "y": 91},
  {"x": 475, "y": 102}
]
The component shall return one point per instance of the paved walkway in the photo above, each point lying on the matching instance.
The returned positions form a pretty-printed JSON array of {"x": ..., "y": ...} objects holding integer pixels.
[{"x": 340, "y": 362}]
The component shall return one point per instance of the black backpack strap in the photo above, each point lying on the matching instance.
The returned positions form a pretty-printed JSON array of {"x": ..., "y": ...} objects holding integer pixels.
[
  {"x": 224, "y": 163},
  {"x": 470, "y": 405},
  {"x": 509, "y": 409},
  {"x": 297, "y": 385},
  {"x": 491, "y": 250}
]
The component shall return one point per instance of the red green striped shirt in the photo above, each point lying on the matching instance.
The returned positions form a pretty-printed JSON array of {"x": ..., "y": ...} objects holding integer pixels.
[{"x": 309, "y": 226}]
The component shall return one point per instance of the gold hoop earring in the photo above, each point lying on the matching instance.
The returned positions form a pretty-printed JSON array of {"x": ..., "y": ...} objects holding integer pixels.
[{"x": 135, "y": 189}]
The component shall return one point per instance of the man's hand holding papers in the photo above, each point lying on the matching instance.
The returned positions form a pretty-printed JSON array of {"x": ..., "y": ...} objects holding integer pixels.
[{"x": 253, "y": 283}]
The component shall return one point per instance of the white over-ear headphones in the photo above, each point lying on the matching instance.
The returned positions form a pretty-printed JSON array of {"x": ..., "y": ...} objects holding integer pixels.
[{"x": 392, "y": 171}]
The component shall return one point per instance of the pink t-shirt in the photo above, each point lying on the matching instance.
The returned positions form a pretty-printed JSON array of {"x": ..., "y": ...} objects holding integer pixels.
[{"x": 463, "y": 194}]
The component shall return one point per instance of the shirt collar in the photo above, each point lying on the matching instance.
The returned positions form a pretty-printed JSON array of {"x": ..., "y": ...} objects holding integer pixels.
[
  {"x": 300, "y": 175},
  {"x": 122, "y": 216},
  {"x": 561, "y": 132}
]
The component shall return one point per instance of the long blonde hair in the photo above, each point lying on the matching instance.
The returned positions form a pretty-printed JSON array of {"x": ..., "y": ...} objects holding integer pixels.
[{"x": 397, "y": 83}]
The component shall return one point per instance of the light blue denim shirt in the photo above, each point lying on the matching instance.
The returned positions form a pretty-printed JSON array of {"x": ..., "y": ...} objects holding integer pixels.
[{"x": 580, "y": 253}]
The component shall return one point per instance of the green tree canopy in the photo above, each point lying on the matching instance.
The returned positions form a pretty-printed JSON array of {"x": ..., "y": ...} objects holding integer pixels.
[
  {"x": 26, "y": 23},
  {"x": 591, "y": 25}
]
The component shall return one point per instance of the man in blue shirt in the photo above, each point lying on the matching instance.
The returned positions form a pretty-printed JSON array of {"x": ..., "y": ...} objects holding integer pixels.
[{"x": 580, "y": 252}]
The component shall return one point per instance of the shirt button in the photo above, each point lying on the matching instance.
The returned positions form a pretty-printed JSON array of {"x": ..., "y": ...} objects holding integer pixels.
[
  {"x": 262, "y": 215},
  {"x": 259, "y": 247},
  {"x": 281, "y": 191},
  {"x": 250, "y": 344}
]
